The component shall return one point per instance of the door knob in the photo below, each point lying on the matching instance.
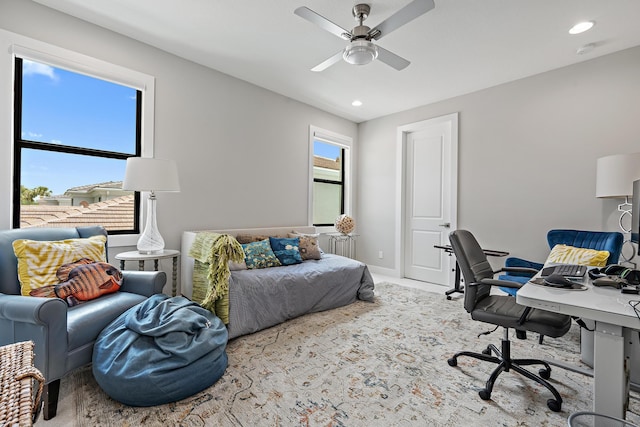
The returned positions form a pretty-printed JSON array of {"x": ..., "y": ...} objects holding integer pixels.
[{"x": 445, "y": 225}]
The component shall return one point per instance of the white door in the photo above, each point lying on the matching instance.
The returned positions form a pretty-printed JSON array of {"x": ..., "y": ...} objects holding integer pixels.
[{"x": 430, "y": 196}]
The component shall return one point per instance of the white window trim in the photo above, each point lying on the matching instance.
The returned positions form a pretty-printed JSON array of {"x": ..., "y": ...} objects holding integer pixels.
[
  {"x": 28, "y": 48},
  {"x": 316, "y": 133}
]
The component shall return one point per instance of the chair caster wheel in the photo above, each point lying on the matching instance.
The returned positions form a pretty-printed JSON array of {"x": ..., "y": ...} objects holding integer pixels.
[
  {"x": 485, "y": 395},
  {"x": 545, "y": 373},
  {"x": 449, "y": 297},
  {"x": 487, "y": 351},
  {"x": 554, "y": 405},
  {"x": 452, "y": 361}
]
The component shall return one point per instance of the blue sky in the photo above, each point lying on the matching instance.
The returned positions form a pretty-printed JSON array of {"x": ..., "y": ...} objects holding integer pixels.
[
  {"x": 62, "y": 107},
  {"x": 324, "y": 149}
]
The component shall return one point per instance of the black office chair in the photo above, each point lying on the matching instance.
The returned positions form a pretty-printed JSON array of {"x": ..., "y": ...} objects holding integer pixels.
[{"x": 502, "y": 310}]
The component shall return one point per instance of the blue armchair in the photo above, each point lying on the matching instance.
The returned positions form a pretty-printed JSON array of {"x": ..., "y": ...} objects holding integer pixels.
[
  {"x": 63, "y": 335},
  {"x": 598, "y": 240}
]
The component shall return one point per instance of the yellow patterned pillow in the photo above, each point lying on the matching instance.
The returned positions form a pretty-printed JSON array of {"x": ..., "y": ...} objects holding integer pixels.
[
  {"x": 38, "y": 261},
  {"x": 570, "y": 255}
]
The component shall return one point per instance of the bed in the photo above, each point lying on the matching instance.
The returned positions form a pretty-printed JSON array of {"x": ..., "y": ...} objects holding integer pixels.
[{"x": 262, "y": 298}]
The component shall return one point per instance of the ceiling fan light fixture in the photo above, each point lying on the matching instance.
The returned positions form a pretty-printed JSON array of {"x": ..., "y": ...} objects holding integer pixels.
[{"x": 360, "y": 52}]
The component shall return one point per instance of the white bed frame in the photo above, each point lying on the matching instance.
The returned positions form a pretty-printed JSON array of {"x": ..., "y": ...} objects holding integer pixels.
[{"x": 188, "y": 237}]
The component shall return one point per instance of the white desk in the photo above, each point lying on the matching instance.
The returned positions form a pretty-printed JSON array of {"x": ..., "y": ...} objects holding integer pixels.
[{"x": 615, "y": 319}]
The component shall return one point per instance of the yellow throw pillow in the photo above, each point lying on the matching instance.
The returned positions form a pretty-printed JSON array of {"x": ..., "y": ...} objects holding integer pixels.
[
  {"x": 38, "y": 261},
  {"x": 570, "y": 255}
]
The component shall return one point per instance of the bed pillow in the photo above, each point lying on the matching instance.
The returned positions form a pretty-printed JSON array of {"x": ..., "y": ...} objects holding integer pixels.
[
  {"x": 250, "y": 238},
  {"x": 309, "y": 247},
  {"x": 38, "y": 261},
  {"x": 571, "y": 255},
  {"x": 287, "y": 249},
  {"x": 259, "y": 255}
]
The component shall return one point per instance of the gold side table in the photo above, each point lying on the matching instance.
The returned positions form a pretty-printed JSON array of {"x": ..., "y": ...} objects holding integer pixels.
[{"x": 141, "y": 258}]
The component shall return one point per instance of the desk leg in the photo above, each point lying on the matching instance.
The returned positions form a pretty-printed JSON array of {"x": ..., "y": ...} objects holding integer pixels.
[
  {"x": 456, "y": 283},
  {"x": 141, "y": 265},
  {"x": 609, "y": 379}
]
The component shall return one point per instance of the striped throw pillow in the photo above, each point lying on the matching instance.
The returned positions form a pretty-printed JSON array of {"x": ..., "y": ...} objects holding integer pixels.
[
  {"x": 571, "y": 255},
  {"x": 38, "y": 261}
]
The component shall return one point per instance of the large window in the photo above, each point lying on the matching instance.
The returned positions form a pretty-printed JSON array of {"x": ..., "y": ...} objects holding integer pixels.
[
  {"x": 330, "y": 154},
  {"x": 73, "y": 133}
]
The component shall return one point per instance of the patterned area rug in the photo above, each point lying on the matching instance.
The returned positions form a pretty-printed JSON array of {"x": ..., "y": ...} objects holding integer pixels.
[{"x": 367, "y": 364}]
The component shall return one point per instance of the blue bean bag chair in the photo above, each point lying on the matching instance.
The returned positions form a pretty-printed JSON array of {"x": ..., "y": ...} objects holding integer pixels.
[{"x": 159, "y": 351}]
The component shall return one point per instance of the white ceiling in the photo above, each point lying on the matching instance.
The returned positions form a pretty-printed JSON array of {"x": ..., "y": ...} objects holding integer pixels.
[{"x": 459, "y": 47}]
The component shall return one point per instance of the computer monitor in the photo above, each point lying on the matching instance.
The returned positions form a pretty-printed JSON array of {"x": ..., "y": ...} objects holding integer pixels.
[{"x": 635, "y": 213}]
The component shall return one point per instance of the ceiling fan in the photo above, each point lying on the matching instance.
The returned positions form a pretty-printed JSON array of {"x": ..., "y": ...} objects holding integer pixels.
[{"x": 361, "y": 50}]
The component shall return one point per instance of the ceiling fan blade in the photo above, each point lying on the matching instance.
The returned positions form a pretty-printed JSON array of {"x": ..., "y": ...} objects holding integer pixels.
[
  {"x": 322, "y": 22},
  {"x": 401, "y": 17},
  {"x": 391, "y": 59},
  {"x": 329, "y": 62}
]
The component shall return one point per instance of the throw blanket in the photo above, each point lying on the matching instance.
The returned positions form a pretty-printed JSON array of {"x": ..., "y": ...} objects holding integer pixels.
[{"x": 212, "y": 253}]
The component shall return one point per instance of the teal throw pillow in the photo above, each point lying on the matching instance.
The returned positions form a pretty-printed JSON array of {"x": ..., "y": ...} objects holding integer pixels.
[
  {"x": 259, "y": 255},
  {"x": 287, "y": 249}
]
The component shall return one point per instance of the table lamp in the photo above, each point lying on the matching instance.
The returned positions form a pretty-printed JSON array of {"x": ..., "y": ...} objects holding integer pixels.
[
  {"x": 150, "y": 174},
  {"x": 614, "y": 179}
]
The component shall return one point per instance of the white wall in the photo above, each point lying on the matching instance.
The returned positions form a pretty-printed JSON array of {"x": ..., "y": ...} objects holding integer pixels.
[
  {"x": 527, "y": 157},
  {"x": 242, "y": 151}
]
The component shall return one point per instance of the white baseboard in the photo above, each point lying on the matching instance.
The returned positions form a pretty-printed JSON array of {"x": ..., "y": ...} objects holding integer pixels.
[{"x": 374, "y": 269}]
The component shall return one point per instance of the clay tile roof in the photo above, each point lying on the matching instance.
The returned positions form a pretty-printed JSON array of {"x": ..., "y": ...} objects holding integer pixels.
[
  {"x": 324, "y": 162},
  {"x": 109, "y": 184},
  {"x": 112, "y": 214}
]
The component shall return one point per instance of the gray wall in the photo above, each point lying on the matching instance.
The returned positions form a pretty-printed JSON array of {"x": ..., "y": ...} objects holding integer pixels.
[
  {"x": 527, "y": 157},
  {"x": 242, "y": 151}
]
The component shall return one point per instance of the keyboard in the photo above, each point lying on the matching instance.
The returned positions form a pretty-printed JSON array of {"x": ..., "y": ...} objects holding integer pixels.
[{"x": 566, "y": 270}]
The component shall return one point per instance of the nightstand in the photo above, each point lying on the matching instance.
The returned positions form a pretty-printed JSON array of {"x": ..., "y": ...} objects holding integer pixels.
[
  {"x": 343, "y": 244},
  {"x": 141, "y": 258}
]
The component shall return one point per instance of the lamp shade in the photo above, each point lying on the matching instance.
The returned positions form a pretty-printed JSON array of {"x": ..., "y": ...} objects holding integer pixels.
[
  {"x": 150, "y": 174},
  {"x": 615, "y": 175}
]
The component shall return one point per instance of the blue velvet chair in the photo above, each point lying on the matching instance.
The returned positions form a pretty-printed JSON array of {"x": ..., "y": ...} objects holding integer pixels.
[{"x": 598, "y": 240}]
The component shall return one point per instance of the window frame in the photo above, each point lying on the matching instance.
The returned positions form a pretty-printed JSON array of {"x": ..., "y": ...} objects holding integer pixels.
[
  {"x": 346, "y": 144},
  {"x": 31, "y": 49},
  {"x": 21, "y": 143}
]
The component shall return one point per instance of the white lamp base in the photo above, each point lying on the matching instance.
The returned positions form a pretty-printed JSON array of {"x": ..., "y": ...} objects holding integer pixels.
[{"x": 151, "y": 242}]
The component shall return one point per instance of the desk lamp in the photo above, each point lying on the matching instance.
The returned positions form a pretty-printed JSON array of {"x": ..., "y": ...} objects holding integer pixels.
[
  {"x": 150, "y": 174},
  {"x": 614, "y": 179}
]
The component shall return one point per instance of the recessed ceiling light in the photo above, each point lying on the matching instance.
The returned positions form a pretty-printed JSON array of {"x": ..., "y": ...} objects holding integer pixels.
[
  {"x": 581, "y": 27},
  {"x": 356, "y": 103}
]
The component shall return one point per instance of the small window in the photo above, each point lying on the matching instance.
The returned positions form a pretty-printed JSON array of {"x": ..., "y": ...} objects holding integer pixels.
[
  {"x": 328, "y": 183},
  {"x": 330, "y": 177},
  {"x": 73, "y": 134}
]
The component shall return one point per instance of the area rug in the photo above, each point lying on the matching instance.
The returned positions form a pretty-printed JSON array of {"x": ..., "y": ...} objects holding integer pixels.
[{"x": 381, "y": 363}]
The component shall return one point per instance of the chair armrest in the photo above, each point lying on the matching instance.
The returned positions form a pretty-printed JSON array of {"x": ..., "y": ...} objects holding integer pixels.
[
  {"x": 145, "y": 283},
  {"x": 33, "y": 310},
  {"x": 501, "y": 283},
  {"x": 41, "y": 320},
  {"x": 530, "y": 271},
  {"x": 514, "y": 262}
]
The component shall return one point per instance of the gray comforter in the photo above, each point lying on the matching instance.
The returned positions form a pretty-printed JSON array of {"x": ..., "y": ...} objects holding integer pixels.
[{"x": 262, "y": 298}]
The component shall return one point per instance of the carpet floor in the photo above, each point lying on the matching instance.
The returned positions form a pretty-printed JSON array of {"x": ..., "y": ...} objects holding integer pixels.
[{"x": 367, "y": 364}]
